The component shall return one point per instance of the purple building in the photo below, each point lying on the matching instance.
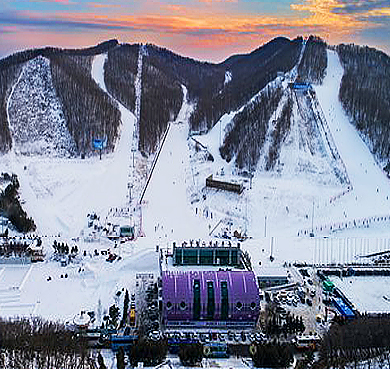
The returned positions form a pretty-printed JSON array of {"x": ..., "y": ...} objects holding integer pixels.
[{"x": 210, "y": 298}]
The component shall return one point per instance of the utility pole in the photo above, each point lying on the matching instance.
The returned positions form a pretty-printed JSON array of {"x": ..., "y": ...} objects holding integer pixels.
[
  {"x": 312, "y": 222},
  {"x": 265, "y": 226},
  {"x": 246, "y": 215},
  {"x": 130, "y": 186}
]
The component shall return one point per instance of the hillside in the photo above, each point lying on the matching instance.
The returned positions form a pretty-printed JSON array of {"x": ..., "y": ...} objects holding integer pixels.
[
  {"x": 313, "y": 174},
  {"x": 35, "y": 114},
  {"x": 216, "y": 89},
  {"x": 365, "y": 95},
  {"x": 276, "y": 133},
  {"x": 63, "y": 80}
]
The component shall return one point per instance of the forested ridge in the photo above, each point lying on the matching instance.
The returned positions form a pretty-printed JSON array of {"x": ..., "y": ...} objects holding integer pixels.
[
  {"x": 365, "y": 95},
  {"x": 64, "y": 60},
  {"x": 164, "y": 73},
  {"x": 162, "y": 98},
  {"x": 161, "y": 93},
  {"x": 314, "y": 61},
  {"x": 8, "y": 76},
  {"x": 250, "y": 74},
  {"x": 195, "y": 75},
  {"x": 206, "y": 82},
  {"x": 247, "y": 131},
  {"x": 215, "y": 89},
  {"x": 89, "y": 112},
  {"x": 120, "y": 71}
]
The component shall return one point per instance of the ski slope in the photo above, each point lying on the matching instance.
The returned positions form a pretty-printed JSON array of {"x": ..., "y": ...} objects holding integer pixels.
[
  {"x": 167, "y": 214},
  {"x": 58, "y": 193},
  {"x": 305, "y": 190},
  {"x": 371, "y": 188}
]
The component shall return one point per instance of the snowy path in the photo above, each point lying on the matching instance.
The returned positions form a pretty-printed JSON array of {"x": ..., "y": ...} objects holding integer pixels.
[
  {"x": 113, "y": 185},
  {"x": 167, "y": 214},
  {"x": 371, "y": 188},
  {"x": 138, "y": 96},
  {"x": 7, "y": 111}
]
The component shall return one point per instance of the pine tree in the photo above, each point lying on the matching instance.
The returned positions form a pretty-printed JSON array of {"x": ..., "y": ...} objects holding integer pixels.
[
  {"x": 125, "y": 308},
  {"x": 120, "y": 359}
]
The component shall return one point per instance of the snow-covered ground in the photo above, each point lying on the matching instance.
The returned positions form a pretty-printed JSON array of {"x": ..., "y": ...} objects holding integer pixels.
[
  {"x": 167, "y": 214},
  {"x": 368, "y": 294},
  {"x": 58, "y": 193},
  {"x": 371, "y": 188},
  {"x": 305, "y": 191}
]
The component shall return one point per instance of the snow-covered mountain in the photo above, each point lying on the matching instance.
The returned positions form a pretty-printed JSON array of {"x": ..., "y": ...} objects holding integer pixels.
[
  {"x": 270, "y": 129},
  {"x": 313, "y": 174},
  {"x": 35, "y": 113}
]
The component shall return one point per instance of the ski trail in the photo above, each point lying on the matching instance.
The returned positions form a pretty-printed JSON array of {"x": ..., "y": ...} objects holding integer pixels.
[
  {"x": 264, "y": 155},
  {"x": 186, "y": 109},
  {"x": 371, "y": 187},
  {"x": 122, "y": 155},
  {"x": 12, "y": 151},
  {"x": 184, "y": 114},
  {"x": 138, "y": 95},
  {"x": 293, "y": 74},
  {"x": 167, "y": 213}
]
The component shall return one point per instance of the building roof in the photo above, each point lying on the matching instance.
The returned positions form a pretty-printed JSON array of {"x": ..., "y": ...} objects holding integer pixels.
[{"x": 177, "y": 288}]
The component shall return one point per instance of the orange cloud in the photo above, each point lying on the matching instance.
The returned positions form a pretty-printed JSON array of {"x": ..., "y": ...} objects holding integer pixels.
[
  {"x": 174, "y": 8},
  {"x": 194, "y": 27},
  {"x": 102, "y": 6},
  {"x": 323, "y": 14},
  {"x": 379, "y": 12}
]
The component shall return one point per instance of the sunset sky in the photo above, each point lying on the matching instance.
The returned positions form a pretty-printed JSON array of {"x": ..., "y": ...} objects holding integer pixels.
[{"x": 208, "y": 30}]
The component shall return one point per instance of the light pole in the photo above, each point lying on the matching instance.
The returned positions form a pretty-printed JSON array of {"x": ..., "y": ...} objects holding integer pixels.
[
  {"x": 312, "y": 222},
  {"x": 2, "y": 215},
  {"x": 130, "y": 187}
]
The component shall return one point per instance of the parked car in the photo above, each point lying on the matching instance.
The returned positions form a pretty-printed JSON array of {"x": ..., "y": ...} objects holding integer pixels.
[{"x": 155, "y": 335}]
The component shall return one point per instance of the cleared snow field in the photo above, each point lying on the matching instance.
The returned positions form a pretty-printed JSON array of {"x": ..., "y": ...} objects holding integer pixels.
[
  {"x": 368, "y": 294},
  {"x": 59, "y": 193}
]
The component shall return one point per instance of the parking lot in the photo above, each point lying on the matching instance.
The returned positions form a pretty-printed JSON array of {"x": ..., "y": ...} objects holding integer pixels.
[{"x": 303, "y": 298}]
